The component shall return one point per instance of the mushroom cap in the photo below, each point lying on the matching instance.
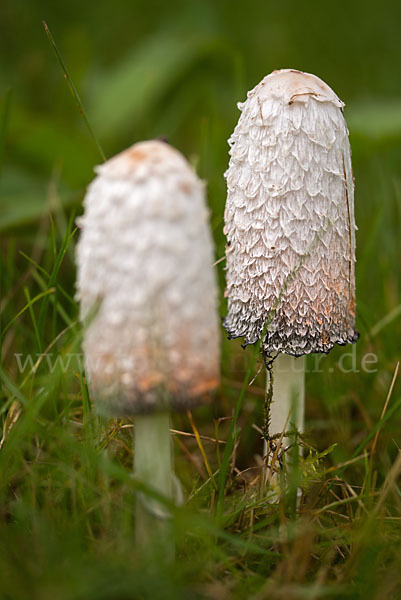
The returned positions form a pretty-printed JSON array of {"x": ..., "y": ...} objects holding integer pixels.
[
  {"x": 146, "y": 284},
  {"x": 289, "y": 218},
  {"x": 288, "y": 86}
]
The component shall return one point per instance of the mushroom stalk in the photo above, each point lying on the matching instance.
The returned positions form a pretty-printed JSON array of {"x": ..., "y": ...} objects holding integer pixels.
[
  {"x": 153, "y": 466},
  {"x": 287, "y": 408},
  {"x": 144, "y": 262},
  {"x": 290, "y": 227}
]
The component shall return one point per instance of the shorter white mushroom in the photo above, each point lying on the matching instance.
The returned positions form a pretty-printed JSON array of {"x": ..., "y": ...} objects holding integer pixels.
[
  {"x": 290, "y": 227},
  {"x": 144, "y": 268}
]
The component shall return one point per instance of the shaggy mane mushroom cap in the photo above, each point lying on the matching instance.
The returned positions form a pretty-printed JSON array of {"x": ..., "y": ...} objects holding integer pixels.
[
  {"x": 289, "y": 218},
  {"x": 145, "y": 259}
]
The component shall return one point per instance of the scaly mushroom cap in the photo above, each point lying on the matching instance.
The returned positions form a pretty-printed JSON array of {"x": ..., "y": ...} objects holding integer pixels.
[
  {"x": 289, "y": 218},
  {"x": 145, "y": 273}
]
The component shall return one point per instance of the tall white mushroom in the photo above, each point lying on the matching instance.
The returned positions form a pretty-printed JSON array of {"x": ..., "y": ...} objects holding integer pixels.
[
  {"x": 146, "y": 285},
  {"x": 290, "y": 227}
]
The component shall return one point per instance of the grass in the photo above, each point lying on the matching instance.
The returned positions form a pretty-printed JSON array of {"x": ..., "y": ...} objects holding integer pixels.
[{"x": 66, "y": 491}]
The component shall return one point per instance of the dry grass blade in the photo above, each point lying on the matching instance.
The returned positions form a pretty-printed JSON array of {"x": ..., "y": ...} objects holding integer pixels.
[
  {"x": 201, "y": 448},
  {"x": 374, "y": 443},
  {"x": 11, "y": 419},
  {"x": 393, "y": 314},
  {"x": 192, "y": 458},
  {"x": 353, "y": 494},
  {"x": 388, "y": 484},
  {"x": 218, "y": 261},
  {"x": 342, "y": 502},
  {"x": 345, "y": 464},
  {"x": 202, "y": 437}
]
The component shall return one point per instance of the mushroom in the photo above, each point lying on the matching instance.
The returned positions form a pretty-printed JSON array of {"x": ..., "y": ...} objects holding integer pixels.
[
  {"x": 290, "y": 227},
  {"x": 149, "y": 296}
]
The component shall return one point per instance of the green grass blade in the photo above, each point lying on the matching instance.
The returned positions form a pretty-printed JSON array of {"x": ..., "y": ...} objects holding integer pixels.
[
  {"x": 10, "y": 386},
  {"x": 53, "y": 276},
  {"x": 33, "y": 317},
  {"x": 231, "y": 438},
  {"x": 73, "y": 90},
  {"x": 49, "y": 291}
]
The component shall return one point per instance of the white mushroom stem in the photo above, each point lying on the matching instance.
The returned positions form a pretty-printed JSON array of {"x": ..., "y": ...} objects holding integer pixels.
[
  {"x": 153, "y": 466},
  {"x": 287, "y": 408}
]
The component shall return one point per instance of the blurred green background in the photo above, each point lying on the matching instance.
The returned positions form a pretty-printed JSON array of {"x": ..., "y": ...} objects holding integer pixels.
[
  {"x": 146, "y": 69},
  {"x": 177, "y": 69}
]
